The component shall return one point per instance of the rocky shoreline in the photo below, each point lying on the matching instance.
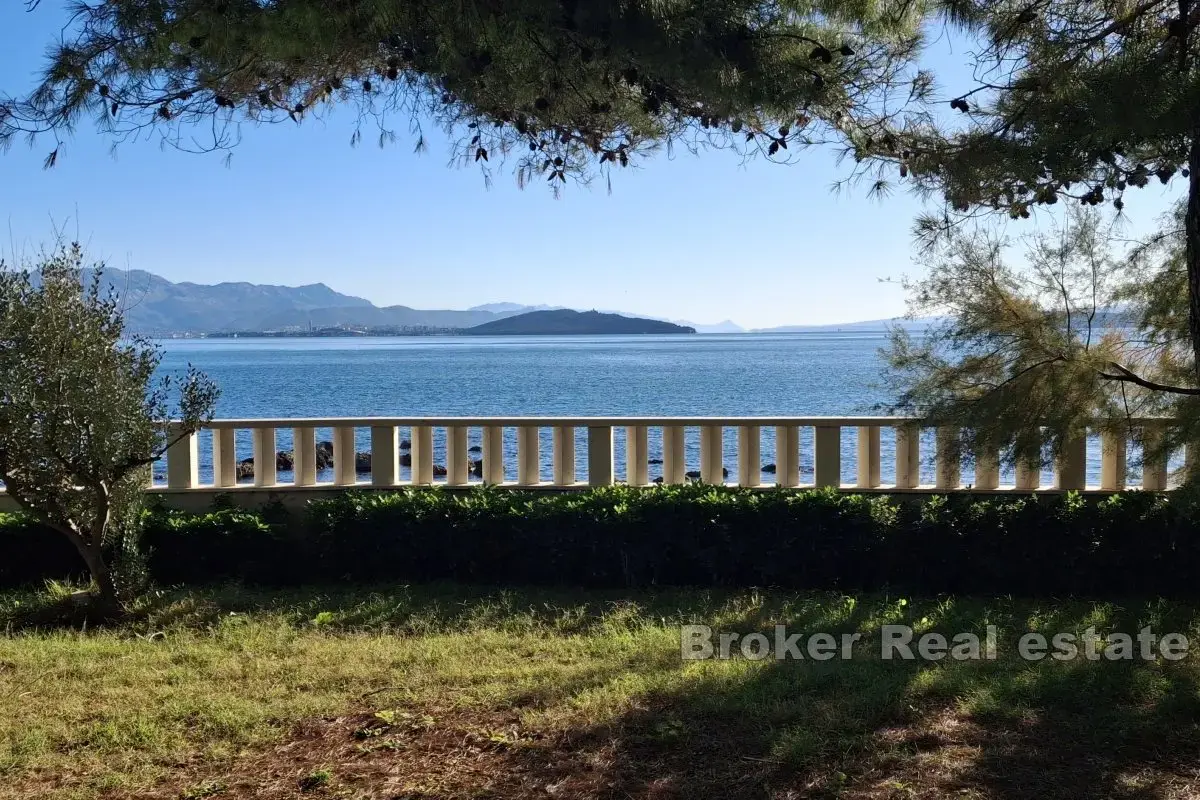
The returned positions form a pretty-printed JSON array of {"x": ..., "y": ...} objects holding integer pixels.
[{"x": 285, "y": 461}]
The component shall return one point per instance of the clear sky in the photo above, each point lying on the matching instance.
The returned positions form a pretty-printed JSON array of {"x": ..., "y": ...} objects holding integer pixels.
[{"x": 699, "y": 238}]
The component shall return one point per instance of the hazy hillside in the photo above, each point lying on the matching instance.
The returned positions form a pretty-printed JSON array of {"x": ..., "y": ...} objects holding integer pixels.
[
  {"x": 865, "y": 325},
  {"x": 511, "y": 308},
  {"x": 724, "y": 326},
  {"x": 155, "y": 305},
  {"x": 372, "y": 316},
  {"x": 1112, "y": 317},
  {"x": 565, "y": 321}
]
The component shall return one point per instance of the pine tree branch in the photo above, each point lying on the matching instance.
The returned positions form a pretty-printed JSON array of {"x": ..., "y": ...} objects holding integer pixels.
[{"x": 1129, "y": 376}]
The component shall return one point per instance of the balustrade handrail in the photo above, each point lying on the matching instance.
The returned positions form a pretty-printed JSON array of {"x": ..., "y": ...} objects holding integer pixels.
[{"x": 582, "y": 422}]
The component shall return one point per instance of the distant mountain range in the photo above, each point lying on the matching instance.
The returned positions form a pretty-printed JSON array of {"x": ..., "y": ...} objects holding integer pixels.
[
  {"x": 153, "y": 304},
  {"x": 156, "y": 306}
]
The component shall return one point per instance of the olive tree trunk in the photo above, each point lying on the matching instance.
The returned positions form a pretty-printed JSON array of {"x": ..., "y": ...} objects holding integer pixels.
[{"x": 106, "y": 600}]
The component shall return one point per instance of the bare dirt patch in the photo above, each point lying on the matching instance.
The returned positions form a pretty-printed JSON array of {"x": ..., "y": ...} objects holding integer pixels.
[{"x": 458, "y": 753}]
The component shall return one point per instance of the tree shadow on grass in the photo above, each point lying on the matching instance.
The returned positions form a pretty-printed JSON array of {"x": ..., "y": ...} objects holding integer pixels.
[
  {"x": 872, "y": 728},
  {"x": 859, "y": 728}
]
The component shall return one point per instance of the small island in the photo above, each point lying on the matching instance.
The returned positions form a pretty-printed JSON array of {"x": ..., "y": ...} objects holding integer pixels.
[{"x": 565, "y": 321}]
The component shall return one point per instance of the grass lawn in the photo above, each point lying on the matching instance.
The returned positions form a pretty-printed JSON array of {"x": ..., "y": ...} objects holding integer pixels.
[{"x": 445, "y": 692}]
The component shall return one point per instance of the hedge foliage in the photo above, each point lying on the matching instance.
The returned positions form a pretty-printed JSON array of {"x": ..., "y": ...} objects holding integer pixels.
[{"x": 1132, "y": 543}]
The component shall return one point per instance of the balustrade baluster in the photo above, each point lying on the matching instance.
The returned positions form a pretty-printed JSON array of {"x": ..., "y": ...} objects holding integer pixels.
[
  {"x": 1070, "y": 468},
  {"x": 600, "y": 455},
  {"x": 264, "y": 456},
  {"x": 385, "y": 455},
  {"x": 493, "y": 455},
  {"x": 1154, "y": 458},
  {"x": 749, "y": 456},
  {"x": 343, "y": 457},
  {"x": 1029, "y": 475},
  {"x": 304, "y": 455},
  {"x": 908, "y": 456},
  {"x": 224, "y": 457},
  {"x": 987, "y": 466},
  {"x": 674, "y": 458},
  {"x": 458, "y": 467},
  {"x": 564, "y": 455},
  {"x": 528, "y": 453},
  {"x": 183, "y": 458},
  {"x": 787, "y": 455},
  {"x": 712, "y": 454},
  {"x": 421, "y": 450},
  {"x": 868, "y": 457},
  {"x": 827, "y": 456},
  {"x": 637, "y": 470},
  {"x": 949, "y": 464},
  {"x": 1114, "y": 448}
]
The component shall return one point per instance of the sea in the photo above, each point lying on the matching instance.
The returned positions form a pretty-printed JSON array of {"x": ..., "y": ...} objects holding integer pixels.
[{"x": 772, "y": 374}]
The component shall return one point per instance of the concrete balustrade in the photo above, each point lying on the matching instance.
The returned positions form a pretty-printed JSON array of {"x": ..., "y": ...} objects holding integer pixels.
[{"x": 711, "y": 450}]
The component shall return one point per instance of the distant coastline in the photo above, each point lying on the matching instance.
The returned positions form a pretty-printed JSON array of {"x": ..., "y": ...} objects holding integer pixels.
[
  {"x": 535, "y": 323},
  {"x": 335, "y": 332},
  {"x": 155, "y": 306},
  {"x": 359, "y": 333}
]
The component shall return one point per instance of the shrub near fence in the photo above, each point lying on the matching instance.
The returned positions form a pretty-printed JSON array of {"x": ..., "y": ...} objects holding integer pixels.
[{"x": 1132, "y": 543}]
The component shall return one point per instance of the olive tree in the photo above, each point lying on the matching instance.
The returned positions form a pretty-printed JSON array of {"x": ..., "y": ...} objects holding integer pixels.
[{"x": 83, "y": 412}]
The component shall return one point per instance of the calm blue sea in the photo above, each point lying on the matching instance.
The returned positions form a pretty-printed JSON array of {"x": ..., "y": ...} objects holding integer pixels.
[{"x": 721, "y": 375}]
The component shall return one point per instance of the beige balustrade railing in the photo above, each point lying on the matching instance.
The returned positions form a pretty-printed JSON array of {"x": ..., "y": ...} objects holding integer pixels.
[{"x": 600, "y": 432}]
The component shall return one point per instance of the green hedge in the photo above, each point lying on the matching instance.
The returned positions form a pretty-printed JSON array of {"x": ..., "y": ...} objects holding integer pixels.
[{"x": 682, "y": 536}]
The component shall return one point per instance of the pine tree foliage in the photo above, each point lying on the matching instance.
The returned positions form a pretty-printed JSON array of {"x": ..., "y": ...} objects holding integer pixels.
[
  {"x": 83, "y": 411},
  {"x": 1069, "y": 337},
  {"x": 1081, "y": 101},
  {"x": 560, "y": 87},
  {"x": 1074, "y": 99}
]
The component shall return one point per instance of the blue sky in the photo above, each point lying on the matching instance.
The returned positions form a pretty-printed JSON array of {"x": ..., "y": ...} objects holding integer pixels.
[{"x": 699, "y": 238}]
